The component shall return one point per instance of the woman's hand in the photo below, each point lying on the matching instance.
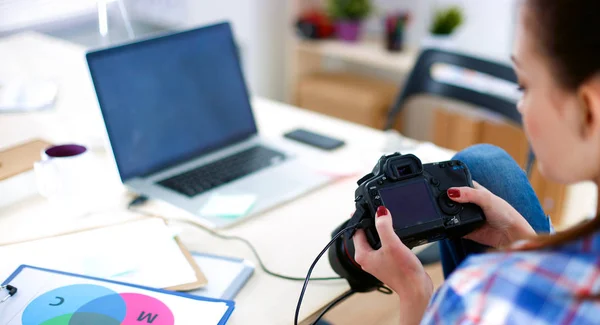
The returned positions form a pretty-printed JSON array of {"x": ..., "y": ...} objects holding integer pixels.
[
  {"x": 395, "y": 265},
  {"x": 504, "y": 224}
]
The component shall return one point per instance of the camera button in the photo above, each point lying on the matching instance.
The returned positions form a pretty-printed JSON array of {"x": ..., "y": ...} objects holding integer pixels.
[
  {"x": 448, "y": 206},
  {"x": 358, "y": 198},
  {"x": 450, "y": 163},
  {"x": 434, "y": 182},
  {"x": 377, "y": 202},
  {"x": 442, "y": 165},
  {"x": 373, "y": 192},
  {"x": 380, "y": 182},
  {"x": 452, "y": 221}
]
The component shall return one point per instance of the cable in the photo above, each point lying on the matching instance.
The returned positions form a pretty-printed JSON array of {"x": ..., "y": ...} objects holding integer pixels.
[
  {"x": 243, "y": 240},
  {"x": 260, "y": 262},
  {"x": 382, "y": 289},
  {"x": 333, "y": 304},
  {"x": 312, "y": 266},
  {"x": 141, "y": 200}
]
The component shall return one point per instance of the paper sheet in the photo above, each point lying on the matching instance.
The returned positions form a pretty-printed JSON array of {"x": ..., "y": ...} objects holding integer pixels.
[
  {"x": 51, "y": 298},
  {"x": 141, "y": 252}
]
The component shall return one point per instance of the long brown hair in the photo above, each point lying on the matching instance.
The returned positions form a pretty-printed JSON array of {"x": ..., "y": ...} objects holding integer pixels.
[{"x": 568, "y": 34}]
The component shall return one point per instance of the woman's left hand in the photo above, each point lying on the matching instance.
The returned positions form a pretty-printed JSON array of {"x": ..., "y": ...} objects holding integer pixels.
[{"x": 397, "y": 266}]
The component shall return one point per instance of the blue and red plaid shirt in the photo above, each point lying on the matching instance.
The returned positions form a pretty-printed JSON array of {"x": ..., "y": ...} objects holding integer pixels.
[{"x": 532, "y": 288}]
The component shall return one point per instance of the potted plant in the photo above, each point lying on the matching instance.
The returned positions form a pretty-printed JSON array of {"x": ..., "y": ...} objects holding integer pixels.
[
  {"x": 445, "y": 22},
  {"x": 348, "y": 15}
]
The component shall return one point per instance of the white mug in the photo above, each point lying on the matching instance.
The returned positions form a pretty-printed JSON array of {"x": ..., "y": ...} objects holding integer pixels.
[{"x": 64, "y": 176}]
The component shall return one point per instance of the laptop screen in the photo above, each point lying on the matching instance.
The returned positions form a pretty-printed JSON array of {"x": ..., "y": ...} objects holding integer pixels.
[{"x": 169, "y": 99}]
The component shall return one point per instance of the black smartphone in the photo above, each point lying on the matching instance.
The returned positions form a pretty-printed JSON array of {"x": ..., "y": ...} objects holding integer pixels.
[{"x": 314, "y": 139}]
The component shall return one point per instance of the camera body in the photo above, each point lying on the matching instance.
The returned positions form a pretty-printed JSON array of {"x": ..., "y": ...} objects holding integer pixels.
[{"x": 415, "y": 194}]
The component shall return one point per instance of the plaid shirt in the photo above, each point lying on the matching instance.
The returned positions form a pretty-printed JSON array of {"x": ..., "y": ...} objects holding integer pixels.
[{"x": 532, "y": 288}]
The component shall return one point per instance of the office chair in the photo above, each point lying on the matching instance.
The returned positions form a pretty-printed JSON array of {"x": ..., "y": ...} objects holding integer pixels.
[{"x": 420, "y": 81}]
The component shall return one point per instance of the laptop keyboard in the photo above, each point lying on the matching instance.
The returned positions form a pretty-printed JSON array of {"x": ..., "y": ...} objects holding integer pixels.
[{"x": 228, "y": 169}]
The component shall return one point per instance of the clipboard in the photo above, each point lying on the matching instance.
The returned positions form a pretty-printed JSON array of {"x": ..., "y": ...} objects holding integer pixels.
[
  {"x": 53, "y": 297},
  {"x": 198, "y": 280}
]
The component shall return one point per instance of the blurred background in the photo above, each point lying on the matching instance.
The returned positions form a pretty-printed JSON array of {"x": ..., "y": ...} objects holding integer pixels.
[
  {"x": 350, "y": 59},
  {"x": 265, "y": 28},
  {"x": 345, "y": 58}
]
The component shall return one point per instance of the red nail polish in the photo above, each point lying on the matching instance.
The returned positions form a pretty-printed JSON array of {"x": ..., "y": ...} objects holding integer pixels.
[
  {"x": 381, "y": 211},
  {"x": 454, "y": 193}
]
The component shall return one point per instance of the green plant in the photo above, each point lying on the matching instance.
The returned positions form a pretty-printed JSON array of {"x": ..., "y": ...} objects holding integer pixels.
[
  {"x": 349, "y": 9},
  {"x": 446, "y": 21}
]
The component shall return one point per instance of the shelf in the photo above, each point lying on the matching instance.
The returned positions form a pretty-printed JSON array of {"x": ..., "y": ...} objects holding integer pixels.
[{"x": 371, "y": 53}]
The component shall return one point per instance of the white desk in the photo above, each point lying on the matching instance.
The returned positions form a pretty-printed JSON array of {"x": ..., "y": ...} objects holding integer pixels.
[{"x": 287, "y": 238}]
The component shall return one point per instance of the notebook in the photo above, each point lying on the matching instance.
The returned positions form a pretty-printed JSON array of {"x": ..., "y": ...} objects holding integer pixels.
[{"x": 226, "y": 275}]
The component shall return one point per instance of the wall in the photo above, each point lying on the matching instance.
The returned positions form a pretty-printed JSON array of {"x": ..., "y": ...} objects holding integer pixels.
[
  {"x": 488, "y": 30},
  {"x": 258, "y": 26},
  {"x": 261, "y": 28}
]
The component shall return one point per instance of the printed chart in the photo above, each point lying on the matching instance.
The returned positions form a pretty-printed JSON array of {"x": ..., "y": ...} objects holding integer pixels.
[{"x": 85, "y": 304}]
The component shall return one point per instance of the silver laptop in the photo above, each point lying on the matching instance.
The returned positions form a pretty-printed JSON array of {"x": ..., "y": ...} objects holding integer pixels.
[{"x": 181, "y": 128}]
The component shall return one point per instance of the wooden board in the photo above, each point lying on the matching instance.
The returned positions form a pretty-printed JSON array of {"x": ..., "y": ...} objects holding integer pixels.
[{"x": 19, "y": 159}]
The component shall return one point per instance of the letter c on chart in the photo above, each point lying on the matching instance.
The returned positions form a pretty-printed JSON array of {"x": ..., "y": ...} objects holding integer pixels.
[{"x": 61, "y": 301}]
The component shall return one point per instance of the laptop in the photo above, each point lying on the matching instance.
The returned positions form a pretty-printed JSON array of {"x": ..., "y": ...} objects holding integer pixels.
[{"x": 181, "y": 128}]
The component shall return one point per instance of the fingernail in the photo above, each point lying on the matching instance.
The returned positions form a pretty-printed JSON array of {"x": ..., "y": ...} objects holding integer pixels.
[
  {"x": 454, "y": 193},
  {"x": 381, "y": 211}
]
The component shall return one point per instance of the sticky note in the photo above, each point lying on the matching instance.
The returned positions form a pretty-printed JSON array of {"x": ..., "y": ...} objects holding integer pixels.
[{"x": 228, "y": 206}]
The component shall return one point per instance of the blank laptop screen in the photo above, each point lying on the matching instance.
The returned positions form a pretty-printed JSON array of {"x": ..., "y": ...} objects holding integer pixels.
[{"x": 169, "y": 99}]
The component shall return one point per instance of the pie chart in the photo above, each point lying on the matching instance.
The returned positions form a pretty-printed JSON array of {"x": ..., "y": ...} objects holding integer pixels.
[{"x": 86, "y": 304}]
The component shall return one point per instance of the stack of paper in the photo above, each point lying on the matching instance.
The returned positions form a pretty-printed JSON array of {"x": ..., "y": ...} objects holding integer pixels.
[{"x": 142, "y": 252}]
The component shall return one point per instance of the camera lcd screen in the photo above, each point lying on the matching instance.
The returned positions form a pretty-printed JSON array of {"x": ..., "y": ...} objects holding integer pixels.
[{"x": 410, "y": 204}]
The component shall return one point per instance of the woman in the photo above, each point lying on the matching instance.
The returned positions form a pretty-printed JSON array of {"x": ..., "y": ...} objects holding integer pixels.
[{"x": 529, "y": 279}]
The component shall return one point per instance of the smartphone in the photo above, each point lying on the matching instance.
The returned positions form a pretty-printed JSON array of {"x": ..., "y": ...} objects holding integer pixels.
[{"x": 314, "y": 139}]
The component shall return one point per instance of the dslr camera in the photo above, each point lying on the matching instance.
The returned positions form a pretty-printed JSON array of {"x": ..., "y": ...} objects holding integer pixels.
[{"x": 422, "y": 212}]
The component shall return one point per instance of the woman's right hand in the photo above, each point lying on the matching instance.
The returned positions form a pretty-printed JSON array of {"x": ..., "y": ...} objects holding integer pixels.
[{"x": 504, "y": 225}]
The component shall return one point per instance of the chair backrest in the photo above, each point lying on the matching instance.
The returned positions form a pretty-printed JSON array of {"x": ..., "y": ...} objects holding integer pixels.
[{"x": 421, "y": 81}]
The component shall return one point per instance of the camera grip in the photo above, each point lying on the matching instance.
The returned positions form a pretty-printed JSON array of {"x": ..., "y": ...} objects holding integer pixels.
[
  {"x": 373, "y": 237},
  {"x": 363, "y": 219}
]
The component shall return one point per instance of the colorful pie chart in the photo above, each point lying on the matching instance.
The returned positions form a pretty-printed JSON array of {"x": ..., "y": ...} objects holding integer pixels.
[{"x": 85, "y": 304}]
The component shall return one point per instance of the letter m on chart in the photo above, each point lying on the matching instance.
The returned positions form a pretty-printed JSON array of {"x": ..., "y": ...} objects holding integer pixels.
[{"x": 149, "y": 318}]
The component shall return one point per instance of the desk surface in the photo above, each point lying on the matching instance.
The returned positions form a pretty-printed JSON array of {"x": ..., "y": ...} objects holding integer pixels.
[{"x": 287, "y": 238}]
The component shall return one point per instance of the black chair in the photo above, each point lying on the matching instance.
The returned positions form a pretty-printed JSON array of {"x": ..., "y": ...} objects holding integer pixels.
[{"x": 420, "y": 81}]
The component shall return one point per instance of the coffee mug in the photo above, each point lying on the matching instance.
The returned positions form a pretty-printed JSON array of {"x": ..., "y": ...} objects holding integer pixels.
[{"x": 64, "y": 177}]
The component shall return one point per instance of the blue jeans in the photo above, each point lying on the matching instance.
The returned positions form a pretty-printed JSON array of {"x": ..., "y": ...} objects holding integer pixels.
[{"x": 497, "y": 171}]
